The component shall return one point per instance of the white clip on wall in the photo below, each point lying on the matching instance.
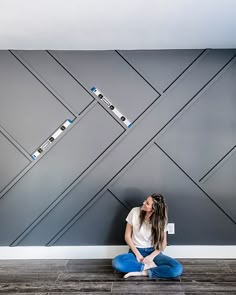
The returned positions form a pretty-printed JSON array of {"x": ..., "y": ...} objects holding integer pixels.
[
  {"x": 112, "y": 107},
  {"x": 51, "y": 139}
]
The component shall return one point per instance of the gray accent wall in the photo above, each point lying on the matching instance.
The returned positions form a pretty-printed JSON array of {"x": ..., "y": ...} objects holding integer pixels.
[{"x": 79, "y": 190}]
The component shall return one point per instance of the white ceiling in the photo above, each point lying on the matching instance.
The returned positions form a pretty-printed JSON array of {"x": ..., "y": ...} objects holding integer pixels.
[{"x": 117, "y": 24}]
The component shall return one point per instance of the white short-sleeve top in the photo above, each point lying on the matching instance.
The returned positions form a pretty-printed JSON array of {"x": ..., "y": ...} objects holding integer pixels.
[{"x": 142, "y": 237}]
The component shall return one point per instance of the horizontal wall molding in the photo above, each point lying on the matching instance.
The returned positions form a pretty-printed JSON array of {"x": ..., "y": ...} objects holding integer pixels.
[{"x": 97, "y": 252}]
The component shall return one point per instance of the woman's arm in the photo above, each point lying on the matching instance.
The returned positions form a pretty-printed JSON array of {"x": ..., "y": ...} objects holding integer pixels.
[
  {"x": 129, "y": 241},
  {"x": 164, "y": 241},
  {"x": 150, "y": 257}
]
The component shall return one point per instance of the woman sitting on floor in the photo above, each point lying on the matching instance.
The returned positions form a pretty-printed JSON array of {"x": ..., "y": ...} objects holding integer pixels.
[{"x": 145, "y": 235}]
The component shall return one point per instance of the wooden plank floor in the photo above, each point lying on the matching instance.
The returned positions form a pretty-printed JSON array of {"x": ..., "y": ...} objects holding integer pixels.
[{"x": 96, "y": 276}]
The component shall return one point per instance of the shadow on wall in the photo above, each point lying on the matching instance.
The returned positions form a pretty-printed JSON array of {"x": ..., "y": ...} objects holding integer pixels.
[
  {"x": 131, "y": 197},
  {"x": 116, "y": 233}
]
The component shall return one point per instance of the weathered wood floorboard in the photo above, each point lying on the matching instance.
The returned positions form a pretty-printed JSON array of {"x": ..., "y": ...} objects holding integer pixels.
[{"x": 54, "y": 277}]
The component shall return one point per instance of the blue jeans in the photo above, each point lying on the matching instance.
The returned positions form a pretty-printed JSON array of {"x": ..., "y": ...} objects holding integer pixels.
[{"x": 167, "y": 267}]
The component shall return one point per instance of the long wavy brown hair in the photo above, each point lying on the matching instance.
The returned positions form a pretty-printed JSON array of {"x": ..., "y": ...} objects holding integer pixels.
[{"x": 158, "y": 219}]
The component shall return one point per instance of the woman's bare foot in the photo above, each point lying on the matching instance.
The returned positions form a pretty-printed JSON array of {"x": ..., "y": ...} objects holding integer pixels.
[
  {"x": 150, "y": 265},
  {"x": 136, "y": 273}
]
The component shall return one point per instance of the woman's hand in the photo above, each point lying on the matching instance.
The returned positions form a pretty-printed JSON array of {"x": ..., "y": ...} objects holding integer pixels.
[
  {"x": 139, "y": 257},
  {"x": 148, "y": 259}
]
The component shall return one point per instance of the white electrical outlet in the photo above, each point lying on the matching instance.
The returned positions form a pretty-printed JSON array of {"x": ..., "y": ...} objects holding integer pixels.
[{"x": 171, "y": 228}]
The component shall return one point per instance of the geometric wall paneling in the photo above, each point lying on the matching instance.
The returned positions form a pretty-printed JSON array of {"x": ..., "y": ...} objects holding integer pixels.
[
  {"x": 53, "y": 75},
  {"x": 12, "y": 162},
  {"x": 221, "y": 185},
  {"x": 205, "y": 132},
  {"x": 114, "y": 78},
  {"x": 171, "y": 103},
  {"x": 128, "y": 145},
  {"x": 188, "y": 86},
  {"x": 189, "y": 207},
  {"x": 88, "y": 187},
  {"x": 52, "y": 226},
  {"x": 29, "y": 112},
  {"x": 56, "y": 171},
  {"x": 160, "y": 67},
  {"x": 103, "y": 224},
  {"x": 160, "y": 114},
  {"x": 99, "y": 166}
]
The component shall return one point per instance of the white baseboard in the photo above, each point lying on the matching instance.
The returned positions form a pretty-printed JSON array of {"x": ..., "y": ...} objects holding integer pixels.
[{"x": 93, "y": 252}]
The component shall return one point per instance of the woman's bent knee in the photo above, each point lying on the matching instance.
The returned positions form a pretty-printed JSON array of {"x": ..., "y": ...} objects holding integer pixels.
[
  {"x": 123, "y": 262},
  {"x": 117, "y": 264},
  {"x": 177, "y": 270}
]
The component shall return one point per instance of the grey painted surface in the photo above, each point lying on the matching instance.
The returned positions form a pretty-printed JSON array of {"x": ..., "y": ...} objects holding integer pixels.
[
  {"x": 58, "y": 78},
  {"x": 23, "y": 99},
  {"x": 162, "y": 67},
  {"x": 221, "y": 185},
  {"x": 12, "y": 161},
  {"x": 98, "y": 225},
  {"x": 108, "y": 72},
  {"x": 56, "y": 171},
  {"x": 207, "y": 129},
  {"x": 80, "y": 189},
  {"x": 185, "y": 200}
]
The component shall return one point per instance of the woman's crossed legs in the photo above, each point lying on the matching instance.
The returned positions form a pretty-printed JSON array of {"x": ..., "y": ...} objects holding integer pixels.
[{"x": 163, "y": 266}]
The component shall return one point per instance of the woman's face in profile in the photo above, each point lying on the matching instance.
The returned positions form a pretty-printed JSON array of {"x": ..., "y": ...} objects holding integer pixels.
[{"x": 147, "y": 204}]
